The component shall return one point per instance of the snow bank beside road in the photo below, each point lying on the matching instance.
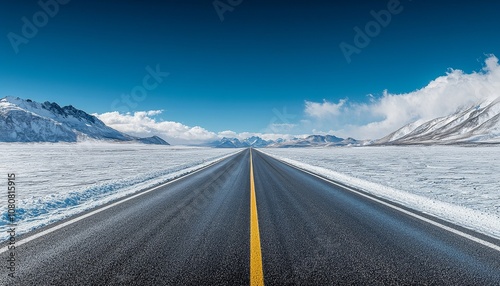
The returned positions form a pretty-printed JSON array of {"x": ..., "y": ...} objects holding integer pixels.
[
  {"x": 456, "y": 184},
  {"x": 55, "y": 181}
]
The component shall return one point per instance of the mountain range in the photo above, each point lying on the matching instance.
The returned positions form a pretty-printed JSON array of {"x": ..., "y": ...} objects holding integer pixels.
[
  {"x": 474, "y": 124},
  {"x": 309, "y": 141},
  {"x": 29, "y": 121},
  {"x": 253, "y": 141}
]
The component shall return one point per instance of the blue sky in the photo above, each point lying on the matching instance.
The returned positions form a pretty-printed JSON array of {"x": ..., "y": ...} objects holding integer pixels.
[{"x": 241, "y": 73}]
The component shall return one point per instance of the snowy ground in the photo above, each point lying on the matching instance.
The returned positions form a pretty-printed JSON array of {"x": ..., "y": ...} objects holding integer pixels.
[
  {"x": 55, "y": 181},
  {"x": 458, "y": 184}
]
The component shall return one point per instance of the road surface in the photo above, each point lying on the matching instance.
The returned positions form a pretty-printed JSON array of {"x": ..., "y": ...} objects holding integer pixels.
[{"x": 242, "y": 223}]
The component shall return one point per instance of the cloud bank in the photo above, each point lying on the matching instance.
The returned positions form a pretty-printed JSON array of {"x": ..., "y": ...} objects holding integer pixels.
[
  {"x": 143, "y": 124},
  {"x": 381, "y": 116}
]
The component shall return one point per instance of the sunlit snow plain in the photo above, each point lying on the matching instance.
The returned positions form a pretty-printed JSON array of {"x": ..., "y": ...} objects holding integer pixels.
[
  {"x": 55, "y": 181},
  {"x": 458, "y": 184}
]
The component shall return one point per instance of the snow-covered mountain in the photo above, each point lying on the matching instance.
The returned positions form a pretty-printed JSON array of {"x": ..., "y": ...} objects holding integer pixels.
[
  {"x": 257, "y": 142},
  {"x": 29, "y": 121},
  {"x": 316, "y": 141},
  {"x": 253, "y": 141},
  {"x": 228, "y": 143},
  {"x": 310, "y": 141},
  {"x": 155, "y": 140},
  {"x": 475, "y": 124}
]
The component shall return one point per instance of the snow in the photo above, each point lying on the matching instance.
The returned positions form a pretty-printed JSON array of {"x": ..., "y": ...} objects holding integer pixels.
[
  {"x": 479, "y": 123},
  {"x": 29, "y": 121},
  {"x": 55, "y": 181},
  {"x": 458, "y": 184}
]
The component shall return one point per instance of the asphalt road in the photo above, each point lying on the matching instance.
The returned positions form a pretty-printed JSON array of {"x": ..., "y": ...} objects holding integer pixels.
[{"x": 196, "y": 231}]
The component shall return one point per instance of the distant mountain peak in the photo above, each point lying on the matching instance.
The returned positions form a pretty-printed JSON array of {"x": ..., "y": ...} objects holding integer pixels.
[
  {"x": 478, "y": 123},
  {"x": 153, "y": 140},
  {"x": 309, "y": 141},
  {"x": 29, "y": 121}
]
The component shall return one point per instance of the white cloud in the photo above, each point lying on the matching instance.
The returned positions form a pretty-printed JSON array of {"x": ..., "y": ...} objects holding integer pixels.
[
  {"x": 228, "y": 134},
  {"x": 381, "y": 116},
  {"x": 142, "y": 124},
  {"x": 323, "y": 110}
]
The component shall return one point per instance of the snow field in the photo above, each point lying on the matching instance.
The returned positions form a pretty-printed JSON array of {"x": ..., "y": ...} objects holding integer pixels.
[
  {"x": 55, "y": 181},
  {"x": 457, "y": 184}
]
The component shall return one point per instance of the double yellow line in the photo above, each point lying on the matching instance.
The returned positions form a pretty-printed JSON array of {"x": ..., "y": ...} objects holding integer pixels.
[{"x": 256, "y": 272}]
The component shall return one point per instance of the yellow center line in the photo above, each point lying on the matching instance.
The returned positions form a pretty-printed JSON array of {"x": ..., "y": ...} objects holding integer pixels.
[{"x": 256, "y": 272}]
